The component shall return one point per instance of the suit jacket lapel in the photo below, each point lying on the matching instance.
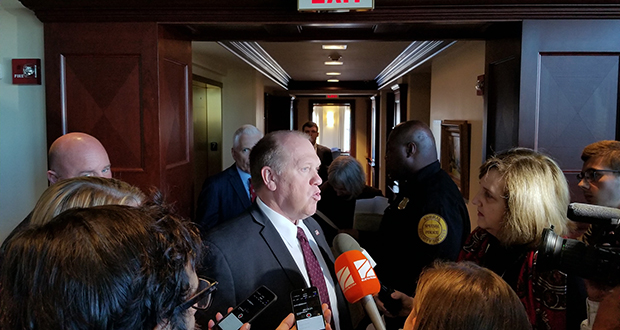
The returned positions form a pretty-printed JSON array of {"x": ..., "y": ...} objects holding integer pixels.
[
  {"x": 238, "y": 186},
  {"x": 278, "y": 248}
]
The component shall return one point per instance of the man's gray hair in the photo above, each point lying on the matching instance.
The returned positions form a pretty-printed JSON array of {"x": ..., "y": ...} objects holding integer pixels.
[{"x": 246, "y": 129}]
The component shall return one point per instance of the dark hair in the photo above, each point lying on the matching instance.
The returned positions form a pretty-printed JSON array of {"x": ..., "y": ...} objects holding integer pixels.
[
  {"x": 105, "y": 267},
  {"x": 309, "y": 124}
]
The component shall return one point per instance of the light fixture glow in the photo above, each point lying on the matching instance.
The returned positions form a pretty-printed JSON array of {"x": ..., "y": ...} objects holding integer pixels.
[
  {"x": 330, "y": 119},
  {"x": 333, "y": 80},
  {"x": 334, "y": 47},
  {"x": 333, "y": 73},
  {"x": 333, "y": 63}
]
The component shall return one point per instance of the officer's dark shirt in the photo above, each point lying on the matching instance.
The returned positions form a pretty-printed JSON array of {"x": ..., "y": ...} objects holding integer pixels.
[{"x": 398, "y": 249}]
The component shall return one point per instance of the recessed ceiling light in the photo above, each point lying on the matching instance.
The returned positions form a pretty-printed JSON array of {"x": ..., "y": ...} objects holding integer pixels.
[
  {"x": 333, "y": 80},
  {"x": 333, "y": 63},
  {"x": 333, "y": 73},
  {"x": 334, "y": 47}
]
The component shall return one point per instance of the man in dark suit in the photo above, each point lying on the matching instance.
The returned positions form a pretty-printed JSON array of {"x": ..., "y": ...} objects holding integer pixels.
[
  {"x": 269, "y": 244},
  {"x": 324, "y": 153},
  {"x": 226, "y": 194}
]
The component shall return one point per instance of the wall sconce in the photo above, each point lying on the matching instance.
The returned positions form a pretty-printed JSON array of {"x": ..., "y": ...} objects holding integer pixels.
[{"x": 330, "y": 119}]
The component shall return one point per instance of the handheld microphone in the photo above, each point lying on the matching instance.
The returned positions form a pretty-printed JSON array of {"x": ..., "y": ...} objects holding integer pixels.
[
  {"x": 345, "y": 242},
  {"x": 358, "y": 282},
  {"x": 594, "y": 214}
]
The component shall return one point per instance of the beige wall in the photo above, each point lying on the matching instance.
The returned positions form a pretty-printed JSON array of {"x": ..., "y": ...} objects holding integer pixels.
[
  {"x": 242, "y": 97},
  {"x": 453, "y": 96},
  {"x": 23, "y": 146}
]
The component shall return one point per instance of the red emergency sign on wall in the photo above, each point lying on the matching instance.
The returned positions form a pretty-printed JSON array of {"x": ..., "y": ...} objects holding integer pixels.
[
  {"x": 26, "y": 71},
  {"x": 335, "y": 4}
]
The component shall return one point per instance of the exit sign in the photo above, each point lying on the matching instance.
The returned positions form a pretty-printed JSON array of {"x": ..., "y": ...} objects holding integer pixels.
[
  {"x": 332, "y": 96},
  {"x": 335, "y": 4}
]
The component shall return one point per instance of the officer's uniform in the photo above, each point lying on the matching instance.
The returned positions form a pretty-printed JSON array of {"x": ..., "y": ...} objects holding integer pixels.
[{"x": 427, "y": 220}]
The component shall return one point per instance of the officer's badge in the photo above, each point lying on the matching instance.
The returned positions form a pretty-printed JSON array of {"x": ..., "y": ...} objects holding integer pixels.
[
  {"x": 432, "y": 229},
  {"x": 403, "y": 203}
]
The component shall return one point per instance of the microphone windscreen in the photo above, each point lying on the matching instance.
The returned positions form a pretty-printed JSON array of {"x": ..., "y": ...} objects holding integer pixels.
[
  {"x": 345, "y": 242},
  {"x": 356, "y": 277},
  {"x": 594, "y": 214}
]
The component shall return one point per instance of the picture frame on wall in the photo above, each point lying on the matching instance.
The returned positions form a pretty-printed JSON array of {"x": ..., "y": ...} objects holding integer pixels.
[{"x": 455, "y": 149}]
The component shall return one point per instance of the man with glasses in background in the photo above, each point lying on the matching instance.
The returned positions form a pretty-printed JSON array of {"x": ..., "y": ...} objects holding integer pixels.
[{"x": 599, "y": 181}]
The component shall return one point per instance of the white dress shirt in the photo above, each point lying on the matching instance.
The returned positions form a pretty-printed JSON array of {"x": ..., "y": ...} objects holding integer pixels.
[{"x": 288, "y": 232}]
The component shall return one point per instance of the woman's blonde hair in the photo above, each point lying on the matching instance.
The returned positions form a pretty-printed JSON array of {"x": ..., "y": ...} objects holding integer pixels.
[
  {"x": 466, "y": 296},
  {"x": 536, "y": 192},
  {"x": 83, "y": 192}
]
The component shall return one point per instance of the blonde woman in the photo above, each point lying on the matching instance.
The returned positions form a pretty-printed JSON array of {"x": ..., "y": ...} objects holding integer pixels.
[
  {"x": 464, "y": 296},
  {"x": 79, "y": 192},
  {"x": 521, "y": 193}
]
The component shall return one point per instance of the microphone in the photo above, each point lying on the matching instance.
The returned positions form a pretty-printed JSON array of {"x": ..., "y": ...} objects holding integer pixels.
[
  {"x": 345, "y": 242},
  {"x": 358, "y": 282},
  {"x": 594, "y": 214}
]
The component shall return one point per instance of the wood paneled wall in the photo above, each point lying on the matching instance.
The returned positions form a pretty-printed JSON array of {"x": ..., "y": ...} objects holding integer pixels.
[{"x": 128, "y": 85}]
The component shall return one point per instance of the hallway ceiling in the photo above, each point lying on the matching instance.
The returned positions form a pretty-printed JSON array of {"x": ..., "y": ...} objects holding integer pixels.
[{"x": 370, "y": 47}]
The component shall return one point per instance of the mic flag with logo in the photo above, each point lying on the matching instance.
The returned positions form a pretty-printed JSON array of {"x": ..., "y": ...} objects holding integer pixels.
[{"x": 356, "y": 276}]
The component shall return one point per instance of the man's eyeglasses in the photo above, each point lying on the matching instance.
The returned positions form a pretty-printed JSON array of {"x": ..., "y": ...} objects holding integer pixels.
[
  {"x": 592, "y": 175},
  {"x": 203, "y": 297}
]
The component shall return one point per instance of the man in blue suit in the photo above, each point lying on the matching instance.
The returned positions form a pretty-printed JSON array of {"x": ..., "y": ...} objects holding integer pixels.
[
  {"x": 265, "y": 244},
  {"x": 227, "y": 194}
]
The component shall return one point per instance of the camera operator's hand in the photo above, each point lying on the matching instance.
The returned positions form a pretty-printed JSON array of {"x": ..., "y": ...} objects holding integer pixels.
[
  {"x": 407, "y": 303},
  {"x": 608, "y": 311}
]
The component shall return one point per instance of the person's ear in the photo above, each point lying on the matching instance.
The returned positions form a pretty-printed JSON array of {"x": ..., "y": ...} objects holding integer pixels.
[
  {"x": 52, "y": 177},
  {"x": 269, "y": 177},
  {"x": 411, "y": 149}
]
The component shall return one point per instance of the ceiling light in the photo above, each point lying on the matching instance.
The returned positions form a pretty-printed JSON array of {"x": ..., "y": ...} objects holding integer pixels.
[
  {"x": 333, "y": 63},
  {"x": 334, "y": 47},
  {"x": 333, "y": 73},
  {"x": 333, "y": 80}
]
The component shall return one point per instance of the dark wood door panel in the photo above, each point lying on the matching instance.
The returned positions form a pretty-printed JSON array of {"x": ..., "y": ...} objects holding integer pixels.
[
  {"x": 103, "y": 98},
  {"x": 578, "y": 104},
  {"x": 128, "y": 85},
  {"x": 569, "y": 89}
]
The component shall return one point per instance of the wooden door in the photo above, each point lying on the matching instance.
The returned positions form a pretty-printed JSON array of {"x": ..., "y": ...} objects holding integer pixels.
[
  {"x": 501, "y": 90},
  {"x": 569, "y": 88},
  {"x": 127, "y": 84}
]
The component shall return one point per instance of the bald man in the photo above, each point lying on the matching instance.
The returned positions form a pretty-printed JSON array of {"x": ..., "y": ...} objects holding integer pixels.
[
  {"x": 427, "y": 219},
  {"x": 77, "y": 154},
  {"x": 71, "y": 155}
]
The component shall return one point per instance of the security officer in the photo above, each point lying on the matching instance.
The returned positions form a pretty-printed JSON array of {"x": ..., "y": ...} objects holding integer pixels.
[{"x": 427, "y": 220}]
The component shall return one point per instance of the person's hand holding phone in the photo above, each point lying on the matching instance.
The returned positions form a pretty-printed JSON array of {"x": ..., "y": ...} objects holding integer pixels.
[
  {"x": 289, "y": 322},
  {"x": 406, "y": 303},
  {"x": 219, "y": 317}
]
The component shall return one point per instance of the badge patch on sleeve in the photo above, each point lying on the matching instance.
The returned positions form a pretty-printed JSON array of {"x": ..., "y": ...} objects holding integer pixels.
[{"x": 432, "y": 229}]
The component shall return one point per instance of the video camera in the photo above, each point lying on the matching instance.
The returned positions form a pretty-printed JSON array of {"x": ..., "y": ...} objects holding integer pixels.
[{"x": 600, "y": 260}]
